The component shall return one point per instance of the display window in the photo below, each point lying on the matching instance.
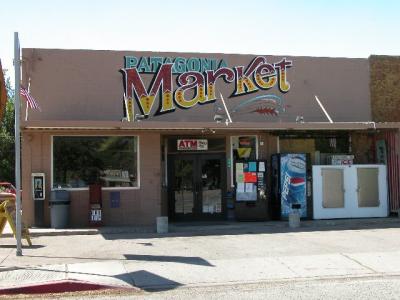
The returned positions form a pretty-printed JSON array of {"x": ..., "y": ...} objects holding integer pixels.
[
  {"x": 79, "y": 161},
  {"x": 243, "y": 148}
]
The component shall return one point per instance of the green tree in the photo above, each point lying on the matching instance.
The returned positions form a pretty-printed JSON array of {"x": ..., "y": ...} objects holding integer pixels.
[{"x": 7, "y": 140}]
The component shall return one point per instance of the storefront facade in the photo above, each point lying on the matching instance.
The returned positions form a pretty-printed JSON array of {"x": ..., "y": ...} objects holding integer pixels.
[{"x": 163, "y": 132}]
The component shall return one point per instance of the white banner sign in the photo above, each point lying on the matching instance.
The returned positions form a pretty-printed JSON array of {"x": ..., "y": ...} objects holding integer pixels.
[{"x": 192, "y": 144}]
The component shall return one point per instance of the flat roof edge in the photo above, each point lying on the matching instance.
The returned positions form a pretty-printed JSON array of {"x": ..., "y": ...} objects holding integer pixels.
[{"x": 151, "y": 125}]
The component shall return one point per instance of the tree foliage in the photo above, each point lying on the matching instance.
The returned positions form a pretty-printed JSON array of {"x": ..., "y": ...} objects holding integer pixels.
[{"x": 7, "y": 140}]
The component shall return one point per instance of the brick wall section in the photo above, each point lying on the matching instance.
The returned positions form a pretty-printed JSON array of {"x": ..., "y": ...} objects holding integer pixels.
[
  {"x": 362, "y": 146},
  {"x": 385, "y": 88}
]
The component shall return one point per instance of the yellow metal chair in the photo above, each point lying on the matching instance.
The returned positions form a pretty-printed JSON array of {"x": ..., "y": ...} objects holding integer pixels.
[{"x": 7, "y": 213}]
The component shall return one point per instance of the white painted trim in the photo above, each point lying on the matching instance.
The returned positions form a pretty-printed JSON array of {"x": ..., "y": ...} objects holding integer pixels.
[{"x": 87, "y": 188}]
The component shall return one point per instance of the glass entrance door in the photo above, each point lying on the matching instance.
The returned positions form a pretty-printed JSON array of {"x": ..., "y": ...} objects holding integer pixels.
[
  {"x": 196, "y": 186},
  {"x": 184, "y": 185}
]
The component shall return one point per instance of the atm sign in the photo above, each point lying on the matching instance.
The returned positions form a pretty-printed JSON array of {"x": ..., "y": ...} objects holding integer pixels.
[{"x": 192, "y": 144}]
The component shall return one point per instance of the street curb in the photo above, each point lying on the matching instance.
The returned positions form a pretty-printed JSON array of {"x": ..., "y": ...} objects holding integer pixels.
[
  {"x": 60, "y": 286},
  {"x": 155, "y": 288},
  {"x": 305, "y": 225},
  {"x": 83, "y": 231}
]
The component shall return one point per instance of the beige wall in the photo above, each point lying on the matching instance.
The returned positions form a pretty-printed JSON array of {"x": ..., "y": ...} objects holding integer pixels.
[
  {"x": 137, "y": 207},
  {"x": 88, "y": 85}
]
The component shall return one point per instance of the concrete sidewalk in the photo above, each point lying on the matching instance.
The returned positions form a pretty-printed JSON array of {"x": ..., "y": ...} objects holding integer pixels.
[
  {"x": 157, "y": 275},
  {"x": 196, "y": 255}
]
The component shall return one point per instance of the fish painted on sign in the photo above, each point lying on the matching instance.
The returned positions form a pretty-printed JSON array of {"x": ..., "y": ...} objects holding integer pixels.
[{"x": 264, "y": 105}]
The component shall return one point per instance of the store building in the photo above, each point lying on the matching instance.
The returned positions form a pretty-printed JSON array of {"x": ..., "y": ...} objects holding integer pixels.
[{"x": 163, "y": 133}]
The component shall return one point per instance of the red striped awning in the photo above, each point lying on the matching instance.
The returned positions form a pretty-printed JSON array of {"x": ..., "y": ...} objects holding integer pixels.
[{"x": 393, "y": 166}]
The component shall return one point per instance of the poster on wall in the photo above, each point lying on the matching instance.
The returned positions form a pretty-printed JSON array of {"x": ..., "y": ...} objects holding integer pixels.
[
  {"x": 250, "y": 177},
  {"x": 250, "y": 180}
]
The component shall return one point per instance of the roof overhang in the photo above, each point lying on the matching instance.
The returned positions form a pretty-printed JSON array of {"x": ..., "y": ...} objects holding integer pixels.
[{"x": 153, "y": 125}]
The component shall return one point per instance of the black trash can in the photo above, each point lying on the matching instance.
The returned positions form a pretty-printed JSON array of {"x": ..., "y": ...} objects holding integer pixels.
[{"x": 59, "y": 208}]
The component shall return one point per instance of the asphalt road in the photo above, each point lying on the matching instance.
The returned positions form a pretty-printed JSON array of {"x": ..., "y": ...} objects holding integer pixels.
[{"x": 344, "y": 288}]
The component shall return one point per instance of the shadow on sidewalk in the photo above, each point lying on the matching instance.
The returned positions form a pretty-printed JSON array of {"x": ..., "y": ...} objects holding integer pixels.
[
  {"x": 151, "y": 282},
  {"x": 176, "y": 259},
  {"x": 192, "y": 260},
  {"x": 269, "y": 227},
  {"x": 23, "y": 247}
]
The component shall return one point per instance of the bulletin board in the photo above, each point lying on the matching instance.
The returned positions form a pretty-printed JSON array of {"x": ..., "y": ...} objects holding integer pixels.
[{"x": 249, "y": 179}]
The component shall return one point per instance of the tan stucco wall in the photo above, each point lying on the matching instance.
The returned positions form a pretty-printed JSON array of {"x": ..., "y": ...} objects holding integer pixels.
[
  {"x": 385, "y": 88},
  {"x": 137, "y": 206},
  {"x": 88, "y": 85}
]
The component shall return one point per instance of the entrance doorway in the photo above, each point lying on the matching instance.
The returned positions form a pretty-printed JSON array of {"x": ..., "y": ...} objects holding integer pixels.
[{"x": 197, "y": 184}]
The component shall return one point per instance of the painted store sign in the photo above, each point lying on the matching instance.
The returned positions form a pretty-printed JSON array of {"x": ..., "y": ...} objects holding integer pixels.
[{"x": 196, "y": 82}]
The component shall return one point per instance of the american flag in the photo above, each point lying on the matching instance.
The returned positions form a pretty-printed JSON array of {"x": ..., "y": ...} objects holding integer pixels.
[{"x": 29, "y": 99}]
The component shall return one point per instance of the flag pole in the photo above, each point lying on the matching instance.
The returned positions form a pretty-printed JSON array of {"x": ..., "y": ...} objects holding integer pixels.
[{"x": 17, "y": 66}]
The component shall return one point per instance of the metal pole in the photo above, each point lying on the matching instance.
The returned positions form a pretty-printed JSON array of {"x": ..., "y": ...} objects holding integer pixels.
[
  {"x": 17, "y": 66},
  {"x": 323, "y": 109},
  {"x": 226, "y": 109}
]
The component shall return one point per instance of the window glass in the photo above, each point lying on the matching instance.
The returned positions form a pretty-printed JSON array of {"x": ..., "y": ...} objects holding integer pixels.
[{"x": 82, "y": 160}]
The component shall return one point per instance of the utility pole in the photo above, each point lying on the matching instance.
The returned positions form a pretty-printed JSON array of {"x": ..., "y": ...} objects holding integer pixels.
[{"x": 17, "y": 66}]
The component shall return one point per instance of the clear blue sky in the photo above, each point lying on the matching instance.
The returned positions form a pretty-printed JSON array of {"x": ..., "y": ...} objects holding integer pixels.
[{"x": 309, "y": 27}]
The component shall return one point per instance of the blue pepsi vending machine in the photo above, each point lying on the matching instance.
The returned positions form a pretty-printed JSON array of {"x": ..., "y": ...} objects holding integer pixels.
[{"x": 289, "y": 185}]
